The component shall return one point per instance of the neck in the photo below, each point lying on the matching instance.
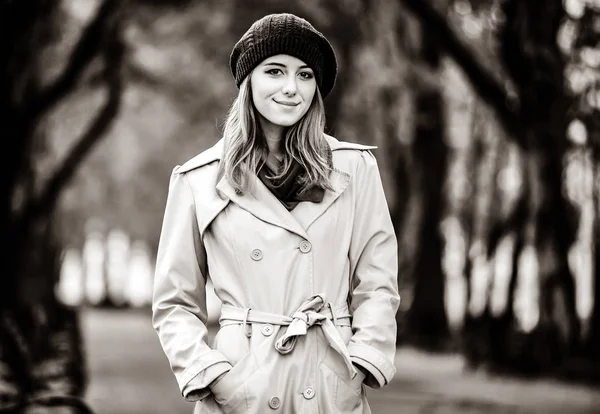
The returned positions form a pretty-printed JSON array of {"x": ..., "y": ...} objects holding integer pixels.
[
  {"x": 274, "y": 137},
  {"x": 274, "y": 145}
]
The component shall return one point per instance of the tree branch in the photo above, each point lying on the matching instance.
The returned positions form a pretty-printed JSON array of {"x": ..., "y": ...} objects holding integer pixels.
[
  {"x": 46, "y": 202},
  {"x": 84, "y": 52},
  {"x": 483, "y": 82}
]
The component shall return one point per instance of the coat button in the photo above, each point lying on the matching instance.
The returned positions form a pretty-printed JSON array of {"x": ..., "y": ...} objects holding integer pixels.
[
  {"x": 308, "y": 393},
  {"x": 267, "y": 329},
  {"x": 257, "y": 254},
  {"x": 305, "y": 246},
  {"x": 274, "y": 402}
]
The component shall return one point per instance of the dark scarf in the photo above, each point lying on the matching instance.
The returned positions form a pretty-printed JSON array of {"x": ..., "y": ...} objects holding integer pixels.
[{"x": 288, "y": 189}]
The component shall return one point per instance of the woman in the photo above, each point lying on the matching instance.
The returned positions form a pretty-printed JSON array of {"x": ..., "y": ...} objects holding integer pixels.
[{"x": 293, "y": 228}]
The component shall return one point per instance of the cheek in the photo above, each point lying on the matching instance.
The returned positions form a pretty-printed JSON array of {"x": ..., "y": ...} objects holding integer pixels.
[
  {"x": 259, "y": 100},
  {"x": 310, "y": 93},
  {"x": 262, "y": 107},
  {"x": 255, "y": 100},
  {"x": 258, "y": 88}
]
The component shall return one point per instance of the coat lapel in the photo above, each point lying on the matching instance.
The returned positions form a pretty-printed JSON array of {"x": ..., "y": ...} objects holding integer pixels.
[
  {"x": 306, "y": 212},
  {"x": 262, "y": 204}
]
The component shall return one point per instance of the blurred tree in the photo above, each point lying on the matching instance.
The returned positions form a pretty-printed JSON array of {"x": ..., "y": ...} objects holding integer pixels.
[
  {"x": 578, "y": 41},
  {"x": 176, "y": 91},
  {"x": 544, "y": 225},
  {"x": 426, "y": 319},
  {"x": 42, "y": 367},
  {"x": 540, "y": 330}
]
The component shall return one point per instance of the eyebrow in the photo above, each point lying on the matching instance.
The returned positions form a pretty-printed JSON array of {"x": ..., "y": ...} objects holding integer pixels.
[{"x": 284, "y": 66}]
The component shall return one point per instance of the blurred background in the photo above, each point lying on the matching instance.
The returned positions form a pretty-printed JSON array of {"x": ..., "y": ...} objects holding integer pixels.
[{"x": 485, "y": 113}]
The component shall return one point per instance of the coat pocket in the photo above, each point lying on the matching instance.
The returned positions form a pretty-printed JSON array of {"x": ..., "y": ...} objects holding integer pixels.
[
  {"x": 230, "y": 392},
  {"x": 241, "y": 389},
  {"x": 346, "y": 392}
]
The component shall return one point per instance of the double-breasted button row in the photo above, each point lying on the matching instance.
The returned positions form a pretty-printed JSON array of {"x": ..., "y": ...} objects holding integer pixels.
[
  {"x": 305, "y": 246},
  {"x": 275, "y": 402}
]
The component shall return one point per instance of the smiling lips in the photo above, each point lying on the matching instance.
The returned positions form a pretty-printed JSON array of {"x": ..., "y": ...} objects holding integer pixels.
[{"x": 286, "y": 103}]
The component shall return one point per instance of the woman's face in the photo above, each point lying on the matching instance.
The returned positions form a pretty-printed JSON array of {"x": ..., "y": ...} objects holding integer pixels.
[{"x": 283, "y": 88}]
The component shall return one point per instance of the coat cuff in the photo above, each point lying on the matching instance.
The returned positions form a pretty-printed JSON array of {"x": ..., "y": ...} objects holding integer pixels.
[
  {"x": 198, "y": 387},
  {"x": 203, "y": 371},
  {"x": 381, "y": 369}
]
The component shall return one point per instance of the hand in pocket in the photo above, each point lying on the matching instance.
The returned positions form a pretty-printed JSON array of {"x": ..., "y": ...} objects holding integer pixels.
[
  {"x": 216, "y": 380},
  {"x": 357, "y": 381}
]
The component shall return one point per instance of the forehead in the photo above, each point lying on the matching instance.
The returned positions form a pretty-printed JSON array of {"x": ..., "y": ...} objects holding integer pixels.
[{"x": 287, "y": 60}]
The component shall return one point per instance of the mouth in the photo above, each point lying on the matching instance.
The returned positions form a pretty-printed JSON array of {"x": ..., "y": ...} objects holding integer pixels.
[{"x": 287, "y": 103}]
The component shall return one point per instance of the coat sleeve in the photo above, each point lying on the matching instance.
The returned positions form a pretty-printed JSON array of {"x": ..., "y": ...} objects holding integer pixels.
[
  {"x": 374, "y": 294},
  {"x": 179, "y": 297}
]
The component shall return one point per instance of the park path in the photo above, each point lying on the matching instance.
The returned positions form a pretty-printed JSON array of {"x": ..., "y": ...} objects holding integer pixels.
[{"x": 130, "y": 375}]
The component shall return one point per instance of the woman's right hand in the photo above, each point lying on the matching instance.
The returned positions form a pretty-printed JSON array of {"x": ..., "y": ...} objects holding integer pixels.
[{"x": 216, "y": 391}]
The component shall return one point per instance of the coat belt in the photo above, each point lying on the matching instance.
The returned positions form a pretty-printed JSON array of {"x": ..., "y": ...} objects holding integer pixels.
[{"x": 315, "y": 311}]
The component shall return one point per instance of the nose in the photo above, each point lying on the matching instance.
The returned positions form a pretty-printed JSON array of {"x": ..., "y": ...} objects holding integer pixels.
[{"x": 290, "y": 87}]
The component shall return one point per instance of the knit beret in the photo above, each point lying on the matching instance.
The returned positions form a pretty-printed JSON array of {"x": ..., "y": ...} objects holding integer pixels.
[{"x": 285, "y": 33}]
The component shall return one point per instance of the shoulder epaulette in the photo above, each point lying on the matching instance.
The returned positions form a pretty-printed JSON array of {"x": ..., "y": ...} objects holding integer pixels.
[
  {"x": 335, "y": 145},
  {"x": 206, "y": 157}
]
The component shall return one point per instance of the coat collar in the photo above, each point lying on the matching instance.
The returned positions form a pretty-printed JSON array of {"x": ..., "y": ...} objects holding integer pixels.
[
  {"x": 262, "y": 204},
  {"x": 215, "y": 152}
]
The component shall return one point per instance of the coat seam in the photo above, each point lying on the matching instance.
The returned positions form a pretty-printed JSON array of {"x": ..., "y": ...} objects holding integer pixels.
[
  {"x": 205, "y": 276},
  {"x": 232, "y": 244}
]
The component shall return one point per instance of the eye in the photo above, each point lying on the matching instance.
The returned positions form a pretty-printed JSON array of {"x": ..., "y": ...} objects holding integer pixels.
[
  {"x": 273, "y": 71},
  {"x": 306, "y": 75}
]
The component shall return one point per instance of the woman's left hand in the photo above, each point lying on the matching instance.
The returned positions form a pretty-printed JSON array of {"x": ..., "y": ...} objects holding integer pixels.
[{"x": 361, "y": 371}]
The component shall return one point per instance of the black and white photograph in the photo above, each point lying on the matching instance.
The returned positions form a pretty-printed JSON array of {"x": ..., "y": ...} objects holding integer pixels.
[{"x": 300, "y": 207}]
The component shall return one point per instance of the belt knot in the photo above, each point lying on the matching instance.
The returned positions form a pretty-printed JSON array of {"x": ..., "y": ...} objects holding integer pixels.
[{"x": 307, "y": 316}]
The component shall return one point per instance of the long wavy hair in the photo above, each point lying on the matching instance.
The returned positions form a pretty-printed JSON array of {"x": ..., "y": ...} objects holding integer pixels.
[{"x": 246, "y": 150}]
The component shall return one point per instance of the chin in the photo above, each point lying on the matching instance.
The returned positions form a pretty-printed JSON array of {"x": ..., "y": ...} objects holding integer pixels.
[{"x": 285, "y": 122}]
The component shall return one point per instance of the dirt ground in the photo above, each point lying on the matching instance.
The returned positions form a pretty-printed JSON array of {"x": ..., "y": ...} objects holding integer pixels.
[{"x": 130, "y": 374}]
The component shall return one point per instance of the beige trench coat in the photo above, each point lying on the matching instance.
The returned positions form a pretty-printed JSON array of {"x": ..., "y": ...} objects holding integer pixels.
[{"x": 306, "y": 293}]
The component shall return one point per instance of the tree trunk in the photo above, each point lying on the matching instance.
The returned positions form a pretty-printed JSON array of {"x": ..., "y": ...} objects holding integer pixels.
[
  {"x": 427, "y": 324},
  {"x": 42, "y": 368},
  {"x": 41, "y": 348},
  {"x": 584, "y": 155},
  {"x": 542, "y": 289},
  {"x": 539, "y": 329}
]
